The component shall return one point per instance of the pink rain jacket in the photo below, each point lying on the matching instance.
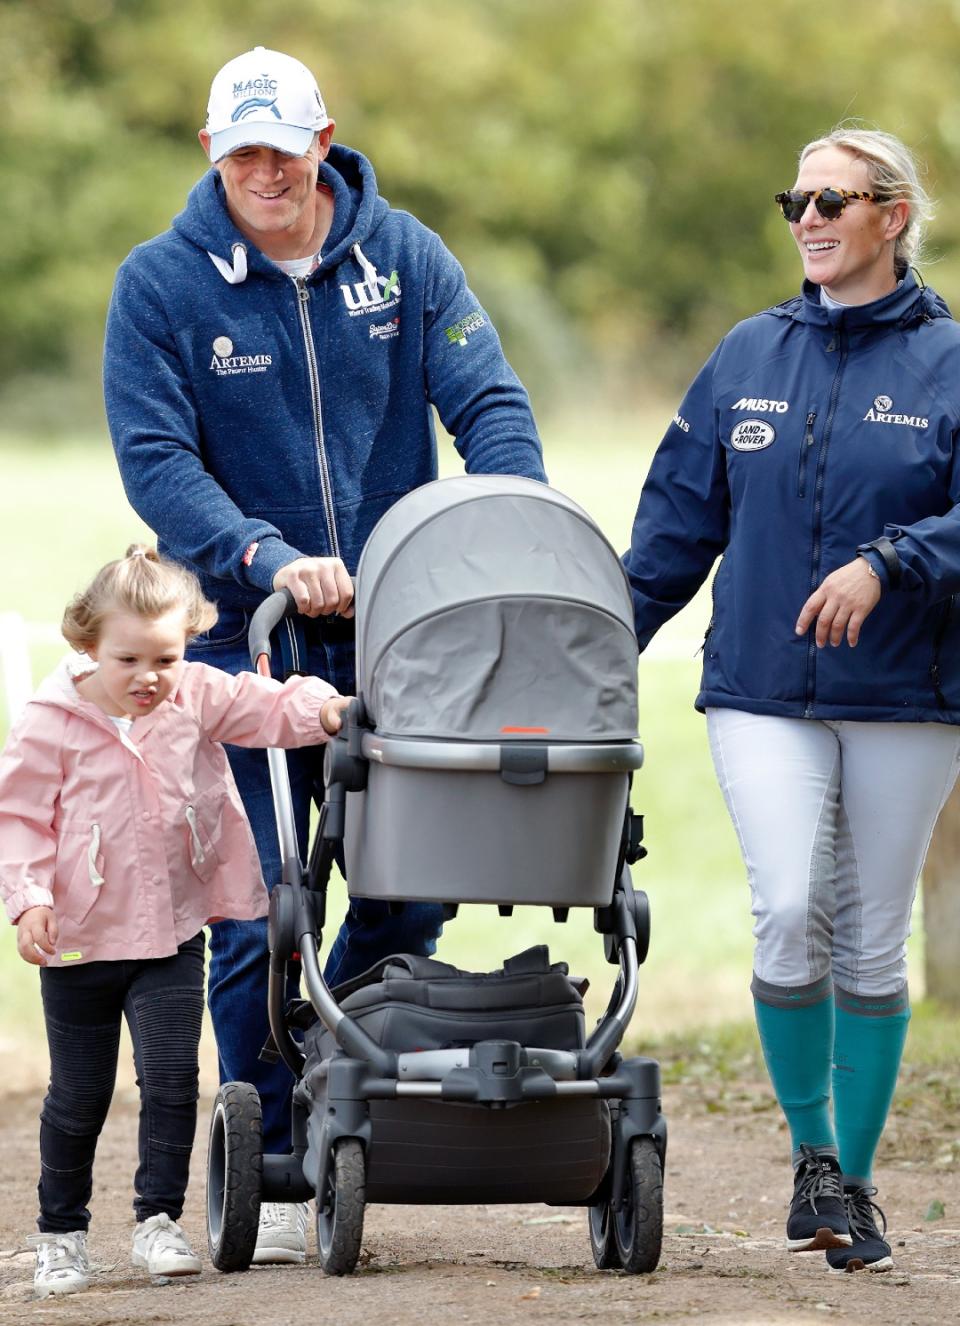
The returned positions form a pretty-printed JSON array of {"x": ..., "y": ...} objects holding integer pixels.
[{"x": 136, "y": 841}]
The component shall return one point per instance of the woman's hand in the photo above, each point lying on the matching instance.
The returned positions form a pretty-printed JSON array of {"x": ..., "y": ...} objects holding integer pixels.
[
  {"x": 37, "y": 933},
  {"x": 842, "y": 603},
  {"x": 331, "y": 713}
]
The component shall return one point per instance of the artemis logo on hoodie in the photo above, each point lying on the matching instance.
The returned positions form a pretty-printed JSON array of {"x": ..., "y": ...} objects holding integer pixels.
[{"x": 226, "y": 364}]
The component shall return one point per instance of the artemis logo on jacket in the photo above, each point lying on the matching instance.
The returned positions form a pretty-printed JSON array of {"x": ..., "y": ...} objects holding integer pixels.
[{"x": 879, "y": 413}]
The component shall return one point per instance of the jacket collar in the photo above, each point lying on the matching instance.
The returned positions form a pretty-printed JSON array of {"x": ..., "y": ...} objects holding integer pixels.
[{"x": 909, "y": 303}]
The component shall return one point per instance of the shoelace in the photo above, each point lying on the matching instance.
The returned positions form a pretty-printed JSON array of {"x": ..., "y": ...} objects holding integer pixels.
[
  {"x": 167, "y": 1236},
  {"x": 819, "y": 1180},
  {"x": 57, "y": 1252},
  {"x": 860, "y": 1213},
  {"x": 273, "y": 1215}
]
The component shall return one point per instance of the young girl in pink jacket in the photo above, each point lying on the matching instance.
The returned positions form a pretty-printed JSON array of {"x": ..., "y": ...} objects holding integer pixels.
[{"x": 121, "y": 835}]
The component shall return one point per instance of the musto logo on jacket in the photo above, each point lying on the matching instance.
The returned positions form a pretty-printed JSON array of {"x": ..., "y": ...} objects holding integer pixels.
[{"x": 752, "y": 435}]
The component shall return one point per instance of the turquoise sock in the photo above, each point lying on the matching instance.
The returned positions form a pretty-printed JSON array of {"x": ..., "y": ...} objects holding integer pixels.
[
  {"x": 796, "y": 1032},
  {"x": 867, "y": 1048}
]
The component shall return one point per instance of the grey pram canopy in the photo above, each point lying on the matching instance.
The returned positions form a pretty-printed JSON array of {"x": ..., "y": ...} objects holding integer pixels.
[
  {"x": 497, "y": 665},
  {"x": 492, "y": 608}
]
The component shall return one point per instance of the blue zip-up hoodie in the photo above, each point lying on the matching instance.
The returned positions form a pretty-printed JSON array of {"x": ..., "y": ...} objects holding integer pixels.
[
  {"x": 257, "y": 418},
  {"x": 812, "y": 434}
]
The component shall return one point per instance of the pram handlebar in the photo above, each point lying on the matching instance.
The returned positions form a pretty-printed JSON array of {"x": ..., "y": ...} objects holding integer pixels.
[{"x": 265, "y": 621}]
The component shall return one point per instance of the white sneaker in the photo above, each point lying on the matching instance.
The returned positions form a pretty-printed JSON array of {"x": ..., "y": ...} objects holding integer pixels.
[
  {"x": 282, "y": 1236},
  {"x": 160, "y": 1246},
  {"x": 62, "y": 1265}
]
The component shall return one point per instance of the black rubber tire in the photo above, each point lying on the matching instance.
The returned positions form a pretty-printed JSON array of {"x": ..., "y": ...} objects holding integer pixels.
[
  {"x": 602, "y": 1242},
  {"x": 234, "y": 1174},
  {"x": 340, "y": 1209},
  {"x": 638, "y": 1225}
]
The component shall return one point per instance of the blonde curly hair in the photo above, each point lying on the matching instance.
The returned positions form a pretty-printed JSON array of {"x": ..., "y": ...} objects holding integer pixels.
[{"x": 143, "y": 583}]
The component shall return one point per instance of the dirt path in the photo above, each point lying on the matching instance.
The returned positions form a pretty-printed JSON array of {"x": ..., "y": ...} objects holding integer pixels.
[{"x": 723, "y": 1261}]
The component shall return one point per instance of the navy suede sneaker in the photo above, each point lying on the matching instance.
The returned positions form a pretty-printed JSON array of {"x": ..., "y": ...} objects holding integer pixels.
[
  {"x": 869, "y": 1250},
  {"x": 818, "y": 1218}
]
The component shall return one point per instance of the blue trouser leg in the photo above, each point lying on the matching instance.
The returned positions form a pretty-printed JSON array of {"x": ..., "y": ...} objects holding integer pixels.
[{"x": 370, "y": 933}]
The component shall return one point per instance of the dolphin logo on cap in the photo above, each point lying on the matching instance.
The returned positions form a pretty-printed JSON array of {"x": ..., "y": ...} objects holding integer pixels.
[{"x": 255, "y": 103}]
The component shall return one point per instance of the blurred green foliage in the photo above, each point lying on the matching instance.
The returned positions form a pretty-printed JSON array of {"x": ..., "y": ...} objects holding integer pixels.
[{"x": 604, "y": 171}]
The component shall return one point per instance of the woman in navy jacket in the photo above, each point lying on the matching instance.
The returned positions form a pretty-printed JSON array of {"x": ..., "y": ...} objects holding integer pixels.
[{"x": 816, "y": 454}]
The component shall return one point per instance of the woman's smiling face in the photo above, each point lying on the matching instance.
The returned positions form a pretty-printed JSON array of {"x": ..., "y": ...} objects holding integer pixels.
[{"x": 851, "y": 257}]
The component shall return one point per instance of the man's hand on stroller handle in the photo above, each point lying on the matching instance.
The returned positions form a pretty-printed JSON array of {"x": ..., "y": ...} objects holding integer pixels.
[
  {"x": 320, "y": 585},
  {"x": 332, "y": 711},
  {"x": 37, "y": 932}
]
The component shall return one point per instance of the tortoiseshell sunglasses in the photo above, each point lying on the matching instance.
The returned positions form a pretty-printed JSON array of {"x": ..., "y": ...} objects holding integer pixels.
[{"x": 828, "y": 202}]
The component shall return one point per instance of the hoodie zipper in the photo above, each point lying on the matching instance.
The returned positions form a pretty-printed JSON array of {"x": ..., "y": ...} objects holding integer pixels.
[
  {"x": 326, "y": 487},
  {"x": 805, "y": 446},
  {"x": 811, "y": 683}
]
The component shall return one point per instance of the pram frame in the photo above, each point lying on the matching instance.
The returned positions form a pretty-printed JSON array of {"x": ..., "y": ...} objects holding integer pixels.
[{"x": 498, "y": 1074}]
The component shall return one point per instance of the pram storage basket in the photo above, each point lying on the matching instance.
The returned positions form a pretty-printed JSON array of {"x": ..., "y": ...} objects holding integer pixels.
[{"x": 496, "y": 662}]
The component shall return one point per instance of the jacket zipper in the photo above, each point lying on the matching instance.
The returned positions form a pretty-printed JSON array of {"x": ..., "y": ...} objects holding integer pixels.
[
  {"x": 805, "y": 445},
  {"x": 326, "y": 487},
  {"x": 818, "y": 521},
  {"x": 938, "y": 638}
]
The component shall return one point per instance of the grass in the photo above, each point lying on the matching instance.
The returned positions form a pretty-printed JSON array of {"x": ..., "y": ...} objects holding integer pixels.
[{"x": 62, "y": 514}]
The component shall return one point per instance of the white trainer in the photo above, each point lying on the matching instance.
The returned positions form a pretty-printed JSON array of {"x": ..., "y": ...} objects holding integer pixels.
[
  {"x": 160, "y": 1247},
  {"x": 62, "y": 1265},
  {"x": 282, "y": 1236}
]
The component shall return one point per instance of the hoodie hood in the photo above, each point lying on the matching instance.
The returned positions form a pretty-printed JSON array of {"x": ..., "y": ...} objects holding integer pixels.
[
  {"x": 909, "y": 303},
  {"x": 358, "y": 211}
]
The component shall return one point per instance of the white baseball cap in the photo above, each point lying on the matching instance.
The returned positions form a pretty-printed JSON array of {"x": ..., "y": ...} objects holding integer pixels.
[{"x": 264, "y": 98}]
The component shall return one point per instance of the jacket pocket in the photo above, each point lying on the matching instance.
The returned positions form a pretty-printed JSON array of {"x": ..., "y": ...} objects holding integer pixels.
[
  {"x": 806, "y": 449},
  {"x": 202, "y": 824},
  {"x": 80, "y": 864}
]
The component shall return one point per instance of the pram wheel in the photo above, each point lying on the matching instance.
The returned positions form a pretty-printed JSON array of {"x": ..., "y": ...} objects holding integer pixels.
[
  {"x": 340, "y": 1209},
  {"x": 234, "y": 1171},
  {"x": 638, "y": 1225},
  {"x": 602, "y": 1242}
]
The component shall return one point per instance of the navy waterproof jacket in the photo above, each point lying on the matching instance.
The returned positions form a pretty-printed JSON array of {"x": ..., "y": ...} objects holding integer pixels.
[
  {"x": 257, "y": 418},
  {"x": 812, "y": 434}
]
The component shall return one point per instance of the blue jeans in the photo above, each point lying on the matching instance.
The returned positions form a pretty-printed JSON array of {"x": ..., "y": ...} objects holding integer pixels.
[
  {"x": 162, "y": 1000},
  {"x": 237, "y": 991}
]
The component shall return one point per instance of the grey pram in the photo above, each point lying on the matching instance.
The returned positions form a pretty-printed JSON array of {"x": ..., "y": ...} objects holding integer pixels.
[{"x": 487, "y": 758}]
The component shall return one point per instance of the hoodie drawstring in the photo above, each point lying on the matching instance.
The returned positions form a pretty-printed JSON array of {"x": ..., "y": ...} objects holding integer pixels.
[
  {"x": 369, "y": 271},
  {"x": 93, "y": 851},
  {"x": 237, "y": 273}
]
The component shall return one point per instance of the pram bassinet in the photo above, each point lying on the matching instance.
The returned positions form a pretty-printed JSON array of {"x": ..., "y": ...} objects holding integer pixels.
[{"x": 495, "y": 652}]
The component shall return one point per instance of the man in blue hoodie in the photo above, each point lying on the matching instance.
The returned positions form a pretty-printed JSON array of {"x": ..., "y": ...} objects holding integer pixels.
[{"x": 270, "y": 366}]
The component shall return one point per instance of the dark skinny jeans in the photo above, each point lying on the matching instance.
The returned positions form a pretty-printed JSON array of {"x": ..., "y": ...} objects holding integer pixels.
[{"x": 162, "y": 1000}]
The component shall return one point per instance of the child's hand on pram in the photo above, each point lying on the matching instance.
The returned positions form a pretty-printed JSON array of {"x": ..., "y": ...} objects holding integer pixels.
[
  {"x": 37, "y": 932},
  {"x": 331, "y": 713}
]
